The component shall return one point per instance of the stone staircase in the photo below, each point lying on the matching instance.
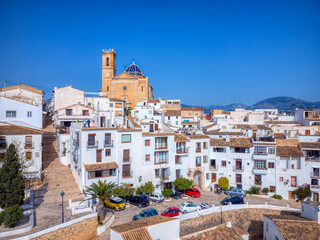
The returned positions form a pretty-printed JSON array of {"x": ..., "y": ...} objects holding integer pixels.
[{"x": 56, "y": 177}]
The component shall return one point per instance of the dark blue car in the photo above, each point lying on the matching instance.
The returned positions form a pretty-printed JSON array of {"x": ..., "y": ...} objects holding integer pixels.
[{"x": 232, "y": 200}]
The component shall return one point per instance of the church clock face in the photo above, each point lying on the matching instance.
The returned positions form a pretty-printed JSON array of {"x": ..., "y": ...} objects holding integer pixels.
[
  {"x": 107, "y": 74},
  {"x": 124, "y": 88}
]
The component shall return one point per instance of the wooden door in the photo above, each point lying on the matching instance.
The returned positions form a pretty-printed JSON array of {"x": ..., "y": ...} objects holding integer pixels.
[
  {"x": 213, "y": 177},
  {"x": 315, "y": 197},
  {"x": 151, "y": 126},
  {"x": 126, "y": 155},
  {"x": 99, "y": 155},
  {"x": 156, "y": 127},
  {"x": 291, "y": 195}
]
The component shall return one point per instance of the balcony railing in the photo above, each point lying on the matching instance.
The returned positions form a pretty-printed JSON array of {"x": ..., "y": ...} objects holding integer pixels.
[
  {"x": 293, "y": 184},
  {"x": 315, "y": 186},
  {"x": 312, "y": 159},
  {"x": 178, "y": 161},
  {"x": 163, "y": 161},
  {"x": 182, "y": 150},
  {"x": 127, "y": 174},
  {"x": 238, "y": 168},
  {"x": 314, "y": 175},
  {"x": 108, "y": 143},
  {"x": 198, "y": 150},
  {"x": 198, "y": 164},
  {"x": 127, "y": 159},
  {"x": 92, "y": 144},
  {"x": 29, "y": 144},
  {"x": 214, "y": 167}
]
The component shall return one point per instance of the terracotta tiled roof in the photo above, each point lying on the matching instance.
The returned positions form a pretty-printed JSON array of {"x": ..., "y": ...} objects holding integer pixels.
[
  {"x": 100, "y": 166},
  {"x": 279, "y": 136},
  {"x": 187, "y": 123},
  {"x": 125, "y": 227},
  {"x": 294, "y": 227},
  {"x": 98, "y": 128},
  {"x": 243, "y": 126},
  {"x": 128, "y": 130},
  {"x": 154, "y": 101},
  {"x": 145, "y": 134},
  {"x": 287, "y": 142},
  {"x": 171, "y": 107},
  {"x": 257, "y": 143},
  {"x": 202, "y": 136},
  {"x": 252, "y": 127},
  {"x": 116, "y": 100},
  {"x": 180, "y": 138},
  {"x": 220, "y": 232},
  {"x": 22, "y": 86},
  {"x": 218, "y": 132},
  {"x": 191, "y": 109},
  {"x": 313, "y": 145},
  {"x": 242, "y": 142},
  {"x": 209, "y": 126},
  {"x": 172, "y": 112},
  {"x": 138, "y": 234},
  {"x": 11, "y": 129},
  {"x": 131, "y": 119},
  {"x": 219, "y": 142},
  {"x": 289, "y": 151},
  {"x": 74, "y": 105},
  {"x": 282, "y": 122}
]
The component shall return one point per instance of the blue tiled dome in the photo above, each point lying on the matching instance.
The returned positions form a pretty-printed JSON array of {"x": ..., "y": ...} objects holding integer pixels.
[{"x": 134, "y": 69}]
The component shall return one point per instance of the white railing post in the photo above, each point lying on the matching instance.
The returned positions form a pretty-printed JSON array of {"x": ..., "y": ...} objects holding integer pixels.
[
  {"x": 70, "y": 203},
  {"x": 247, "y": 205}
]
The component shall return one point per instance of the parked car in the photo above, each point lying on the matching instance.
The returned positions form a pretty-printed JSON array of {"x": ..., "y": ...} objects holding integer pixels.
[
  {"x": 204, "y": 205},
  {"x": 139, "y": 200},
  {"x": 176, "y": 195},
  {"x": 171, "y": 212},
  {"x": 187, "y": 207},
  {"x": 115, "y": 203},
  {"x": 149, "y": 212},
  {"x": 232, "y": 200},
  {"x": 236, "y": 192},
  {"x": 156, "y": 198},
  {"x": 194, "y": 192}
]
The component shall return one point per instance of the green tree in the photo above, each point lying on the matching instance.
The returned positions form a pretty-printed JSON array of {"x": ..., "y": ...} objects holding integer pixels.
[
  {"x": 223, "y": 182},
  {"x": 124, "y": 190},
  {"x": 167, "y": 192},
  {"x": 139, "y": 190},
  {"x": 11, "y": 216},
  {"x": 303, "y": 192},
  {"x": 183, "y": 183},
  {"x": 148, "y": 187},
  {"x": 102, "y": 191},
  {"x": 11, "y": 179}
]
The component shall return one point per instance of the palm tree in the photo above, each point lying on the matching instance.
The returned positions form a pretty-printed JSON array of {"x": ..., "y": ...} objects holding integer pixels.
[{"x": 101, "y": 190}]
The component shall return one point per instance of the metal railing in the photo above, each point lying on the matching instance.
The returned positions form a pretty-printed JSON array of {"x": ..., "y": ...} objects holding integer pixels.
[
  {"x": 312, "y": 159},
  {"x": 127, "y": 160},
  {"x": 108, "y": 143},
  {"x": 238, "y": 168},
  {"x": 314, "y": 175},
  {"x": 214, "y": 167},
  {"x": 92, "y": 144},
  {"x": 182, "y": 150},
  {"x": 29, "y": 144},
  {"x": 127, "y": 174},
  {"x": 178, "y": 161}
]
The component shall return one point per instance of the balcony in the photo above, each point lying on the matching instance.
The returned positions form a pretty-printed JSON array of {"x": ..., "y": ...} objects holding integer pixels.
[
  {"x": 178, "y": 160},
  {"x": 92, "y": 144},
  {"x": 293, "y": 184},
  {"x": 214, "y": 167},
  {"x": 182, "y": 150},
  {"x": 238, "y": 168},
  {"x": 127, "y": 159},
  {"x": 108, "y": 143},
  {"x": 127, "y": 174},
  {"x": 162, "y": 161},
  {"x": 198, "y": 164},
  {"x": 260, "y": 171},
  {"x": 315, "y": 174},
  {"x": 29, "y": 144},
  {"x": 314, "y": 187},
  {"x": 198, "y": 150},
  {"x": 312, "y": 159}
]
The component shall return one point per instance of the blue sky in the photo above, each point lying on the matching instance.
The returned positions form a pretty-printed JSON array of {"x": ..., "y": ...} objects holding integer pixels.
[{"x": 203, "y": 52}]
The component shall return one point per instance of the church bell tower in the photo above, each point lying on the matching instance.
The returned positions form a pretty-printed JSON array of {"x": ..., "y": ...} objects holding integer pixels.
[{"x": 108, "y": 70}]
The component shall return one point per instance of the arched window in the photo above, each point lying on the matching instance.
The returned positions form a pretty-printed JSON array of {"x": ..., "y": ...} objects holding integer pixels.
[
  {"x": 141, "y": 88},
  {"x": 107, "y": 89},
  {"x": 107, "y": 61}
]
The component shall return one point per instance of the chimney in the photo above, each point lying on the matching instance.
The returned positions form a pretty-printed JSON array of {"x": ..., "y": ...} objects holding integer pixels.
[{"x": 229, "y": 224}]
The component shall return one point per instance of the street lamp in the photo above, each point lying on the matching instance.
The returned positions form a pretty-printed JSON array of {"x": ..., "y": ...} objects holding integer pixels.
[{"x": 62, "y": 194}]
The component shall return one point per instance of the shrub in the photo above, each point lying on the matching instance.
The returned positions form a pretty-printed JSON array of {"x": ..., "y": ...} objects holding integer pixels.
[
  {"x": 124, "y": 190},
  {"x": 167, "y": 192},
  {"x": 277, "y": 196},
  {"x": 223, "y": 182},
  {"x": 139, "y": 190},
  {"x": 249, "y": 192},
  {"x": 255, "y": 190},
  {"x": 303, "y": 192},
  {"x": 265, "y": 190},
  {"x": 183, "y": 183},
  {"x": 230, "y": 188},
  {"x": 11, "y": 216},
  {"x": 148, "y": 187}
]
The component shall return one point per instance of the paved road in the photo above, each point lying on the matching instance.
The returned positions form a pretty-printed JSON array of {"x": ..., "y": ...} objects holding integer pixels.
[{"x": 208, "y": 197}]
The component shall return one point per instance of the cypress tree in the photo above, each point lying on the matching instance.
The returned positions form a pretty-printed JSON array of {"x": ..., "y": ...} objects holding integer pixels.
[{"x": 11, "y": 179}]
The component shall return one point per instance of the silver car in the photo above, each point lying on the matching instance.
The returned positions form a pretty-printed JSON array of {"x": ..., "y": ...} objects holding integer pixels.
[
  {"x": 236, "y": 192},
  {"x": 156, "y": 198},
  {"x": 187, "y": 207}
]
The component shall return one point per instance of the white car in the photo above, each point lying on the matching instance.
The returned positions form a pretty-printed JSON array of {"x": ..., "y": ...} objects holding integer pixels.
[
  {"x": 156, "y": 198},
  {"x": 187, "y": 207}
]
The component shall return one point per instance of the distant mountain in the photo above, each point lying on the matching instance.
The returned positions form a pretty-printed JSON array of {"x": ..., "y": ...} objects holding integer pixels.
[{"x": 281, "y": 103}]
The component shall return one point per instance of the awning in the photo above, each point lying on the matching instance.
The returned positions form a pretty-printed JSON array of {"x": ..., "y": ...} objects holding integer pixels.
[{"x": 100, "y": 166}]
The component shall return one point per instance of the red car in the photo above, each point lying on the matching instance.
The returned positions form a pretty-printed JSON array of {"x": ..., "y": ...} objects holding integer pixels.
[
  {"x": 170, "y": 212},
  {"x": 193, "y": 192}
]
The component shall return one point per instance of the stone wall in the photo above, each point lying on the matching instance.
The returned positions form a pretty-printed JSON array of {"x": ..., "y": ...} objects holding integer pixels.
[
  {"x": 250, "y": 220},
  {"x": 86, "y": 229}
]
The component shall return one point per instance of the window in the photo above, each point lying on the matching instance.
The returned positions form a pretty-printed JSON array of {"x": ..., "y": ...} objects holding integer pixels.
[
  {"x": 205, "y": 145},
  {"x": 177, "y": 122},
  {"x": 207, "y": 176},
  {"x": 272, "y": 188},
  {"x": 99, "y": 156},
  {"x": 108, "y": 152},
  {"x": 293, "y": 181},
  {"x": 219, "y": 149},
  {"x": 178, "y": 160},
  {"x": 198, "y": 161},
  {"x": 270, "y": 164},
  {"x": 102, "y": 173},
  {"x": 157, "y": 172},
  {"x": 178, "y": 171},
  {"x": 107, "y": 61},
  {"x": 271, "y": 151},
  {"x": 160, "y": 157},
  {"x": 11, "y": 114},
  {"x": 198, "y": 147},
  {"x": 108, "y": 91},
  {"x": 161, "y": 143},
  {"x": 107, "y": 139},
  {"x": 3, "y": 144},
  {"x": 281, "y": 179},
  {"x": 91, "y": 140},
  {"x": 238, "y": 178},
  {"x": 147, "y": 157},
  {"x": 257, "y": 179},
  {"x": 260, "y": 164},
  {"x": 118, "y": 105},
  {"x": 29, "y": 114},
  {"x": 240, "y": 150},
  {"x": 126, "y": 155},
  {"x": 141, "y": 88},
  {"x": 223, "y": 163},
  {"x": 28, "y": 155},
  {"x": 111, "y": 105},
  {"x": 205, "y": 159},
  {"x": 69, "y": 112},
  {"x": 147, "y": 143},
  {"x": 28, "y": 142},
  {"x": 260, "y": 151},
  {"x": 126, "y": 138},
  {"x": 85, "y": 113}
]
